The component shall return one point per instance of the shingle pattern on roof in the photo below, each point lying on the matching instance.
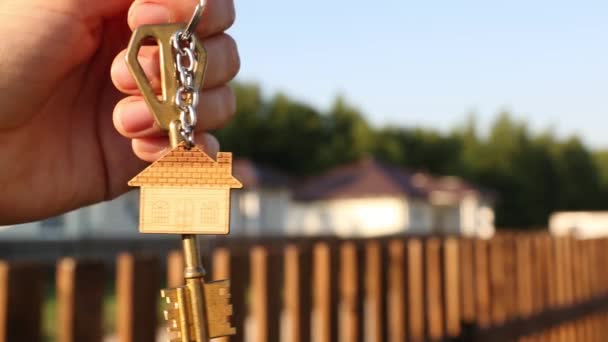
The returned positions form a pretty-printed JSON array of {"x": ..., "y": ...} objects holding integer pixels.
[{"x": 189, "y": 168}]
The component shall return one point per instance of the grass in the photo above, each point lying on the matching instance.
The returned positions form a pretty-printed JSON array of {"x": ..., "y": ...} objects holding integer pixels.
[{"x": 49, "y": 312}]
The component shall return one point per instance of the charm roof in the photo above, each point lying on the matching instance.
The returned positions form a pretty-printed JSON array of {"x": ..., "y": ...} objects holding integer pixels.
[{"x": 188, "y": 168}]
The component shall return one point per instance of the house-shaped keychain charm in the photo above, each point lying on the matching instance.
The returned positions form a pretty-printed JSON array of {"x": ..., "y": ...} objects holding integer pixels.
[{"x": 186, "y": 192}]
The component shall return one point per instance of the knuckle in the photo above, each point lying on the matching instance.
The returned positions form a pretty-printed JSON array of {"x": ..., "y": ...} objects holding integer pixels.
[{"x": 233, "y": 56}]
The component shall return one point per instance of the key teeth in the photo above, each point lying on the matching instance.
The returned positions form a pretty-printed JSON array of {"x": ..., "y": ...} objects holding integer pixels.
[
  {"x": 219, "y": 308},
  {"x": 170, "y": 295},
  {"x": 172, "y": 313}
]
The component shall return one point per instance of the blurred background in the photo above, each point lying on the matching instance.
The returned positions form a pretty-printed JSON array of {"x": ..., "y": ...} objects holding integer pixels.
[
  {"x": 500, "y": 107},
  {"x": 361, "y": 120}
]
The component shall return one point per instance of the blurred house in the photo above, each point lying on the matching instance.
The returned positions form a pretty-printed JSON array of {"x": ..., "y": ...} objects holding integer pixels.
[
  {"x": 113, "y": 219},
  {"x": 263, "y": 202},
  {"x": 368, "y": 198},
  {"x": 262, "y": 205},
  {"x": 581, "y": 224},
  {"x": 364, "y": 198}
]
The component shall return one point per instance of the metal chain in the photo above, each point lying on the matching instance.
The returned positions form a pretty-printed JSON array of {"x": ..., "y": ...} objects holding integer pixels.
[{"x": 186, "y": 96}]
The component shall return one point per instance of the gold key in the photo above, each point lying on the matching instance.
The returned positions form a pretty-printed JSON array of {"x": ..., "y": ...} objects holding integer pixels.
[
  {"x": 218, "y": 310},
  {"x": 186, "y": 191}
]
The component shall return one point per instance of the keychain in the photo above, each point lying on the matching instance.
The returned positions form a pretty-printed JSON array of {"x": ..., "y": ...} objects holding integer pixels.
[{"x": 186, "y": 191}]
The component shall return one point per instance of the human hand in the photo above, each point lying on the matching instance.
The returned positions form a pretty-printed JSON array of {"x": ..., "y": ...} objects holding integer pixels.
[{"x": 58, "y": 147}]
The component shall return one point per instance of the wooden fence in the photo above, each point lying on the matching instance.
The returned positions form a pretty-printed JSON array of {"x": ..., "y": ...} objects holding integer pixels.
[{"x": 515, "y": 287}]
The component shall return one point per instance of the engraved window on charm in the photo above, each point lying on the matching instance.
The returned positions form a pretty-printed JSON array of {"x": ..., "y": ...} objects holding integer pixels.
[
  {"x": 210, "y": 213},
  {"x": 160, "y": 212}
]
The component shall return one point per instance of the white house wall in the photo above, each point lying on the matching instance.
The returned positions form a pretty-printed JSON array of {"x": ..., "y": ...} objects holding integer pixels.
[
  {"x": 420, "y": 217},
  {"x": 272, "y": 212},
  {"x": 259, "y": 211},
  {"x": 274, "y": 208},
  {"x": 117, "y": 218},
  {"x": 476, "y": 217},
  {"x": 450, "y": 220},
  {"x": 349, "y": 217},
  {"x": 468, "y": 215},
  {"x": 582, "y": 224},
  {"x": 245, "y": 209},
  {"x": 20, "y": 231}
]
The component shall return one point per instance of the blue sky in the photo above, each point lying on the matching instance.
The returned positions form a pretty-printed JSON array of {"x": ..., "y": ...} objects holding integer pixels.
[{"x": 429, "y": 63}]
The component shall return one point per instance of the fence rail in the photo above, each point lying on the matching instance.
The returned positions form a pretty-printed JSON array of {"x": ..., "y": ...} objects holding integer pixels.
[{"x": 515, "y": 287}]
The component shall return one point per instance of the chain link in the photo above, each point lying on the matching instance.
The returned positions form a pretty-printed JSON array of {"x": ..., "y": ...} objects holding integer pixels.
[{"x": 187, "y": 94}]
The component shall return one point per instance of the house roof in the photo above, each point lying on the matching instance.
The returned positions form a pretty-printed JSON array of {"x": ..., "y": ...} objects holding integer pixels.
[
  {"x": 184, "y": 167},
  {"x": 365, "y": 178},
  {"x": 371, "y": 178},
  {"x": 254, "y": 175}
]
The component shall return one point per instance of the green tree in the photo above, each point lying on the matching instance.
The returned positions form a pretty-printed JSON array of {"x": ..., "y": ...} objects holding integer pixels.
[
  {"x": 533, "y": 175},
  {"x": 348, "y": 136}
]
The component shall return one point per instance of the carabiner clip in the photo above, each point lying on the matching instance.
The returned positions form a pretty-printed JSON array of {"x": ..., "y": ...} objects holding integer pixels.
[{"x": 196, "y": 18}]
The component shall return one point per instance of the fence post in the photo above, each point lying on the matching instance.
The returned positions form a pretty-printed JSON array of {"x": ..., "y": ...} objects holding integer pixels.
[
  {"x": 596, "y": 269},
  {"x": 561, "y": 280},
  {"x": 297, "y": 293},
  {"x": 433, "y": 279},
  {"x": 524, "y": 296},
  {"x": 80, "y": 291},
  {"x": 482, "y": 283},
  {"x": 451, "y": 287},
  {"x": 232, "y": 262},
  {"x": 21, "y": 293},
  {"x": 577, "y": 276},
  {"x": 510, "y": 278},
  {"x": 324, "y": 293},
  {"x": 396, "y": 293},
  {"x": 569, "y": 286},
  {"x": 265, "y": 294},
  {"x": 415, "y": 290},
  {"x": 467, "y": 281},
  {"x": 137, "y": 293},
  {"x": 498, "y": 287},
  {"x": 175, "y": 269},
  {"x": 350, "y": 294},
  {"x": 375, "y": 290}
]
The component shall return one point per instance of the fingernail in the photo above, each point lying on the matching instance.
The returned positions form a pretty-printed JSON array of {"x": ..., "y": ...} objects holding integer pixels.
[
  {"x": 149, "y": 14},
  {"x": 135, "y": 117}
]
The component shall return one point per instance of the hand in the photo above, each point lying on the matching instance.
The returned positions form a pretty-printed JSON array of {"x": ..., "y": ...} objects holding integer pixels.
[{"x": 58, "y": 147}]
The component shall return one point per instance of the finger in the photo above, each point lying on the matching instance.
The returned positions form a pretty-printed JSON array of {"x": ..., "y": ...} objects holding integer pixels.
[
  {"x": 133, "y": 119},
  {"x": 217, "y": 16},
  {"x": 223, "y": 63},
  {"x": 151, "y": 149}
]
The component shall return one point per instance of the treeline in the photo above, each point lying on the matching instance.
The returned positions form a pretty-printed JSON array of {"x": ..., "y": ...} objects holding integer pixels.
[{"x": 532, "y": 174}]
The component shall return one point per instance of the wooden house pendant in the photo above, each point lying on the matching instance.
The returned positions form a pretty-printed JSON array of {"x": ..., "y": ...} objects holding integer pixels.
[{"x": 186, "y": 192}]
